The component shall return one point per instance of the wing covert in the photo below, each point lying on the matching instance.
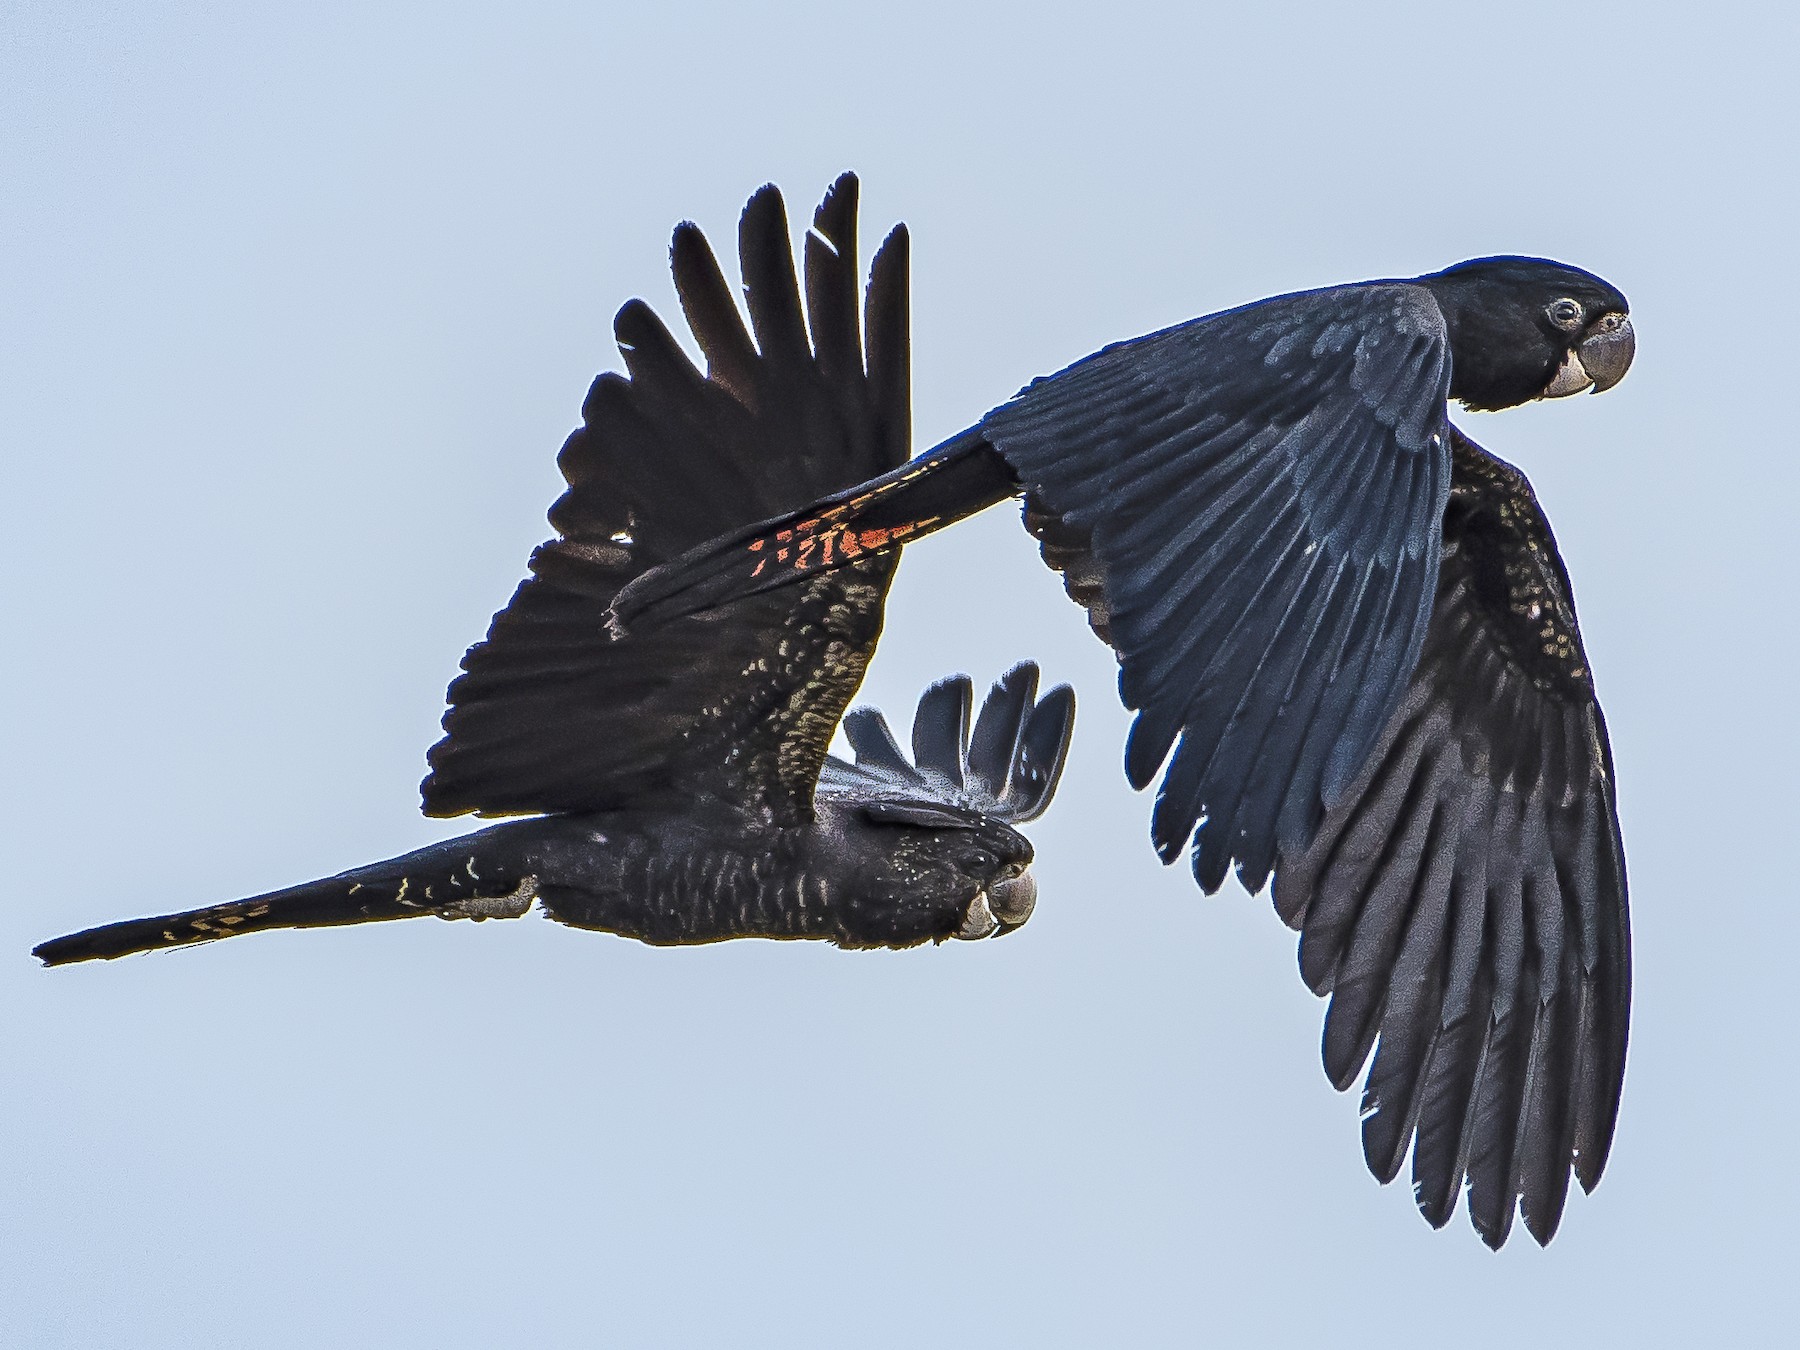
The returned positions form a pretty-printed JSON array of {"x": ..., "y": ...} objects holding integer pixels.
[
  {"x": 552, "y": 713},
  {"x": 1464, "y": 904},
  {"x": 1248, "y": 505}
]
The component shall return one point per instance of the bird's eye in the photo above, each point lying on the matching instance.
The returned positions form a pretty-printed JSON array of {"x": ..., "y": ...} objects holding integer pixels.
[
  {"x": 980, "y": 860},
  {"x": 1564, "y": 313}
]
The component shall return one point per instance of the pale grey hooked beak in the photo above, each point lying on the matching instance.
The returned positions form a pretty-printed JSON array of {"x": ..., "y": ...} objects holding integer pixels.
[
  {"x": 999, "y": 909},
  {"x": 1598, "y": 361},
  {"x": 1013, "y": 901},
  {"x": 1606, "y": 352}
]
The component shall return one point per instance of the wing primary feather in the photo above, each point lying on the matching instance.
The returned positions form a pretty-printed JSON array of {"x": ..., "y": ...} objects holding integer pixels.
[
  {"x": 1042, "y": 752},
  {"x": 1384, "y": 660},
  {"x": 1394, "y": 1093},
  {"x": 1446, "y": 1117},
  {"x": 940, "y": 733},
  {"x": 994, "y": 743},
  {"x": 1550, "y": 1129},
  {"x": 1440, "y": 1150},
  {"x": 831, "y": 283},
  {"x": 771, "y": 289},
  {"x": 1362, "y": 975},
  {"x": 887, "y": 320},
  {"x": 654, "y": 358},
  {"x": 1494, "y": 1160},
  {"x": 1209, "y": 616},
  {"x": 668, "y": 394},
  {"x": 1298, "y": 809},
  {"x": 1179, "y": 803},
  {"x": 1242, "y": 804},
  {"x": 1254, "y": 788},
  {"x": 873, "y": 742},
  {"x": 713, "y": 315}
]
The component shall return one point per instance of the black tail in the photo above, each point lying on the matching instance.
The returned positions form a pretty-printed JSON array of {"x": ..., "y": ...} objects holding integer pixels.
[
  {"x": 959, "y": 478},
  {"x": 453, "y": 880}
]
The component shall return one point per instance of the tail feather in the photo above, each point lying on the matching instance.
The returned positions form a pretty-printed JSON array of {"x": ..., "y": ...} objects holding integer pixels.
[
  {"x": 959, "y": 478},
  {"x": 319, "y": 904},
  {"x": 450, "y": 880}
]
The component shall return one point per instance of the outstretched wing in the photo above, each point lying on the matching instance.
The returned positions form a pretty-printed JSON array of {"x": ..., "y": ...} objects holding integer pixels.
[
  {"x": 1007, "y": 768},
  {"x": 553, "y": 713},
  {"x": 1252, "y": 500},
  {"x": 1464, "y": 904}
]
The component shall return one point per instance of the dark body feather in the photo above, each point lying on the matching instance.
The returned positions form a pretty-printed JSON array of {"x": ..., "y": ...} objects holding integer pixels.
[
  {"x": 1353, "y": 653},
  {"x": 670, "y": 776}
]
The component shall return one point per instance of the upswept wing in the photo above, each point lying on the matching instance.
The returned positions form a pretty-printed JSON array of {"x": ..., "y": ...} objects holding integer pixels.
[
  {"x": 1007, "y": 768},
  {"x": 554, "y": 714},
  {"x": 1256, "y": 496},
  {"x": 1464, "y": 903}
]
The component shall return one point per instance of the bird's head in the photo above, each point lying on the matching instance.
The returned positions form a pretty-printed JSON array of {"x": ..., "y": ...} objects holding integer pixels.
[
  {"x": 966, "y": 869},
  {"x": 1528, "y": 328}
]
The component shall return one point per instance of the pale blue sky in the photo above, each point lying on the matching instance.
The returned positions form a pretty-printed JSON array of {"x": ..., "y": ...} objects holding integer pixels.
[{"x": 296, "y": 306}]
